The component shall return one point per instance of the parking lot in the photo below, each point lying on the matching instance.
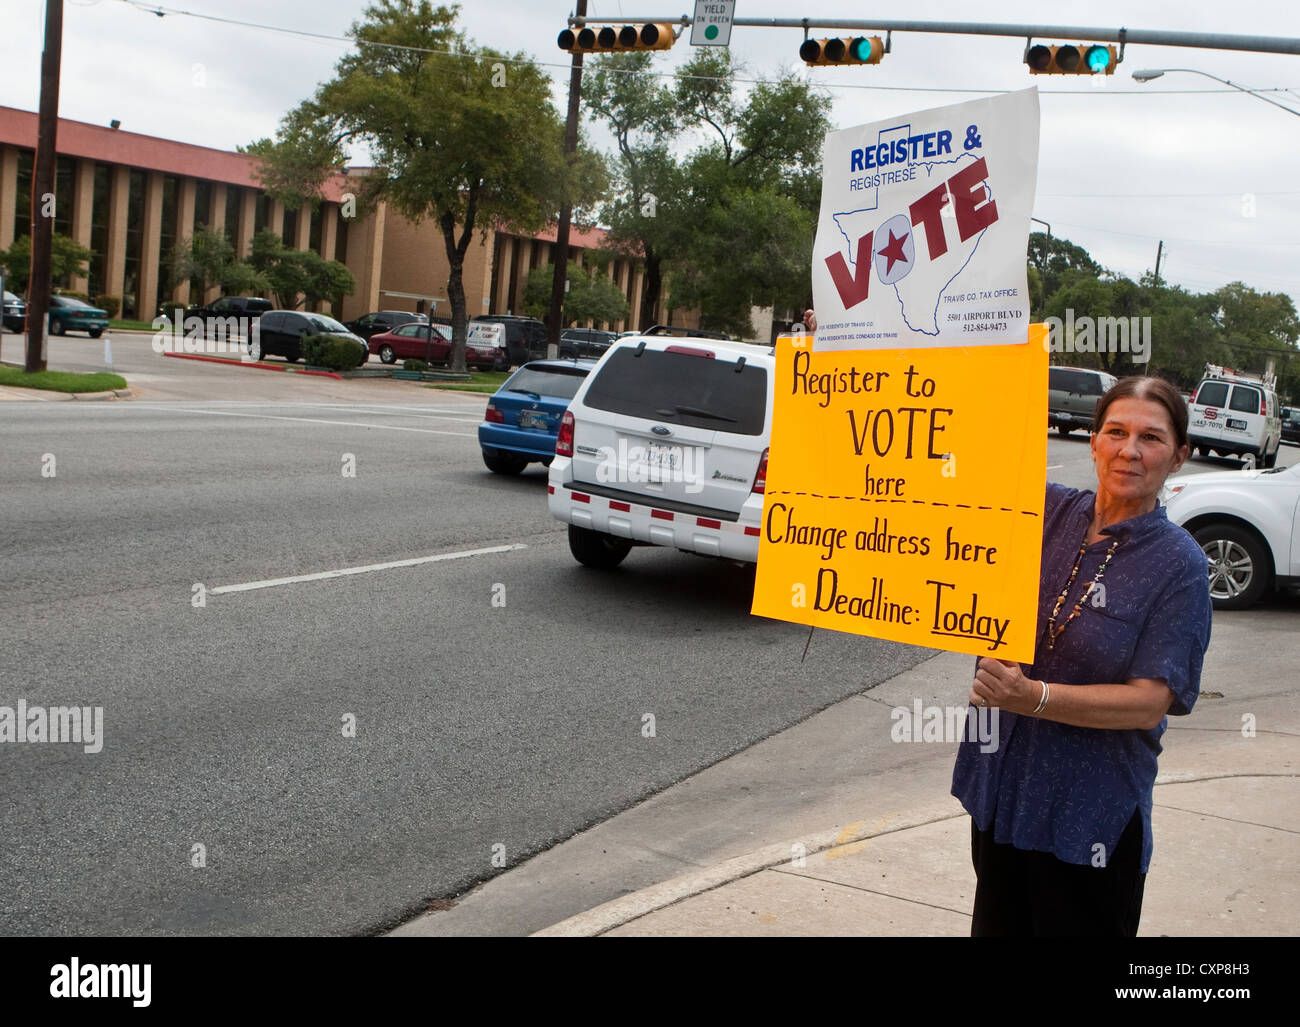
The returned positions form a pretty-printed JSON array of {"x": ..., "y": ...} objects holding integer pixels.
[{"x": 289, "y": 748}]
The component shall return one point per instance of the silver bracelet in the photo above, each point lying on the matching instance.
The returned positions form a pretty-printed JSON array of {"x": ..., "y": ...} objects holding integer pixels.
[{"x": 1042, "y": 703}]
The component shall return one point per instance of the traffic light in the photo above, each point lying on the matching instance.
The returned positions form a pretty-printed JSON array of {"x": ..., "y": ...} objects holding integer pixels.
[
  {"x": 1071, "y": 59},
  {"x": 618, "y": 39},
  {"x": 849, "y": 50}
]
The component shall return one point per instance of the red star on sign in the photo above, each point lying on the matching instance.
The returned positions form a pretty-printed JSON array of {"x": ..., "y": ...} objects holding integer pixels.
[{"x": 894, "y": 251}]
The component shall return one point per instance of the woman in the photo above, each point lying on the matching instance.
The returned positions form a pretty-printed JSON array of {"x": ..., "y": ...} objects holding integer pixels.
[{"x": 1061, "y": 808}]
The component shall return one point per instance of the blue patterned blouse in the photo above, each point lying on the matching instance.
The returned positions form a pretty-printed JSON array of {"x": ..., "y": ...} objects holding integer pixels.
[{"x": 1056, "y": 788}]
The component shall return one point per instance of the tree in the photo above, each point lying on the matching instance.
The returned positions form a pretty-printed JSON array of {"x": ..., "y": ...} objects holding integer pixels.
[
  {"x": 208, "y": 259},
  {"x": 295, "y": 277},
  {"x": 463, "y": 135},
  {"x": 68, "y": 259},
  {"x": 1055, "y": 257},
  {"x": 622, "y": 92},
  {"x": 730, "y": 225},
  {"x": 592, "y": 296}
]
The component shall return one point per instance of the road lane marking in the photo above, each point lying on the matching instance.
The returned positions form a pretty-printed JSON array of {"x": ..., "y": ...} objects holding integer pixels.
[
  {"x": 345, "y": 571},
  {"x": 318, "y": 420},
  {"x": 1055, "y": 467}
]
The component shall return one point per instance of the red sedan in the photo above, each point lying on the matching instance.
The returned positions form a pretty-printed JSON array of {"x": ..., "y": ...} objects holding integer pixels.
[{"x": 432, "y": 343}]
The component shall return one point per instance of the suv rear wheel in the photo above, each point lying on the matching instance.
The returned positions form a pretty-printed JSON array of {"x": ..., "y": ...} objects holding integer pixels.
[
  {"x": 596, "y": 549},
  {"x": 1240, "y": 566}
]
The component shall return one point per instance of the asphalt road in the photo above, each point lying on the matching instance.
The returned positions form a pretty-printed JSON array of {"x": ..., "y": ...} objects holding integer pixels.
[{"x": 484, "y": 731}]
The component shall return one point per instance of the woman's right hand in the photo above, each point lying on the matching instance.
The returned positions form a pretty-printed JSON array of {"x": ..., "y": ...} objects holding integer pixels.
[{"x": 810, "y": 320}]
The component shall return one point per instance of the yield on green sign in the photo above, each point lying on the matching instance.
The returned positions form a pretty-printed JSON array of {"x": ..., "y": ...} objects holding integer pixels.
[{"x": 712, "y": 25}]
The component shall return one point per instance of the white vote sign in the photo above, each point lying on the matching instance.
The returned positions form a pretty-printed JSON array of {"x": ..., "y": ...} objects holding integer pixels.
[
  {"x": 712, "y": 25},
  {"x": 924, "y": 227}
]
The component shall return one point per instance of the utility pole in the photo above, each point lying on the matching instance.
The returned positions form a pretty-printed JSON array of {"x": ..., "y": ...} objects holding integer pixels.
[
  {"x": 1159, "y": 250},
  {"x": 566, "y": 212},
  {"x": 38, "y": 283}
]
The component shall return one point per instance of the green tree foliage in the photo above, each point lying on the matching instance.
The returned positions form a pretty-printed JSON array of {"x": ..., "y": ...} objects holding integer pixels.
[
  {"x": 730, "y": 224},
  {"x": 294, "y": 277},
  {"x": 1055, "y": 257},
  {"x": 68, "y": 259},
  {"x": 208, "y": 258},
  {"x": 459, "y": 134},
  {"x": 592, "y": 296},
  {"x": 1234, "y": 326}
]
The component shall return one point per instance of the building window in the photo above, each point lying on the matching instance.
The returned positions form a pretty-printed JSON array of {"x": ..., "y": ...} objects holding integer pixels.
[
  {"x": 99, "y": 213},
  {"x": 232, "y": 214},
  {"x": 341, "y": 239},
  {"x": 131, "y": 306},
  {"x": 262, "y": 213},
  {"x": 290, "y": 231},
  {"x": 65, "y": 180},
  {"x": 167, "y": 237},
  {"x": 202, "y": 205},
  {"x": 23, "y": 204},
  {"x": 314, "y": 234}
]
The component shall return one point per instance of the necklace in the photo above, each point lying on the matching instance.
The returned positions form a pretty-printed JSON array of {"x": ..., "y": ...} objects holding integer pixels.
[{"x": 1053, "y": 632}]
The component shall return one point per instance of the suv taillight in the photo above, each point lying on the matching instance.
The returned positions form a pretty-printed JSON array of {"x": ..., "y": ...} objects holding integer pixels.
[
  {"x": 760, "y": 479},
  {"x": 1263, "y": 404},
  {"x": 494, "y": 415},
  {"x": 564, "y": 440}
]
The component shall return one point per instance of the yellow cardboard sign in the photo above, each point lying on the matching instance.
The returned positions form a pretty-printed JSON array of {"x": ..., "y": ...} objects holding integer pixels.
[{"x": 905, "y": 494}]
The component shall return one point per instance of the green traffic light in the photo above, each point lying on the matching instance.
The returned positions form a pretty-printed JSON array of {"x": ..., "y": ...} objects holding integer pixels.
[
  {"x": 860, "y": 49},
  {"x": 1098, "y": 59}
]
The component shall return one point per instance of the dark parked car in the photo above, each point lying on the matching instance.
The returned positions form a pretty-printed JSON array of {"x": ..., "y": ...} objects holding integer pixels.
[
  {"x": 380, "y": 321},
  {"x": 1291, "y": 424},
  {"x": 281, "y": 331},
  {"x": 523, "y": 416},
  {"x": 585, "y": 342},
  {"x": 228, "y": 316},
  {"x": 15, "y": 313},
  {"x": 72, "y": 315},
  {"x": 525, "y": 336}
]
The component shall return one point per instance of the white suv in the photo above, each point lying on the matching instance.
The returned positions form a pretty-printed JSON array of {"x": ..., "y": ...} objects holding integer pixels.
[
  {"x": 666, "y": 444},
  {"x": 1236, "y": 415}
]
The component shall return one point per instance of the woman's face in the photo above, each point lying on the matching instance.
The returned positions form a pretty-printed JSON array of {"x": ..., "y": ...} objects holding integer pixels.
[{"x": 1135, "y": 451}]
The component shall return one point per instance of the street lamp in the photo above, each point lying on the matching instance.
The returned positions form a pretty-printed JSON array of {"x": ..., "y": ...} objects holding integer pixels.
[{"x": 1146, "y": 75}]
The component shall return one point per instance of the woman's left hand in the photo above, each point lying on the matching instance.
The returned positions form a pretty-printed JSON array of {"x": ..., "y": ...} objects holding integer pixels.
[{"x": 1004, "y": 685}]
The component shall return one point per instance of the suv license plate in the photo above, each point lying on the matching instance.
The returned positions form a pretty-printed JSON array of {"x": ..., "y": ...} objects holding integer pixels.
[{"x": 662, "y": 457}]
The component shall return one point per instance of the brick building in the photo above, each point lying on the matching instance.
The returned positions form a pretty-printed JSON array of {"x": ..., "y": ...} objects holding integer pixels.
[{"x": 129, "y": 197}]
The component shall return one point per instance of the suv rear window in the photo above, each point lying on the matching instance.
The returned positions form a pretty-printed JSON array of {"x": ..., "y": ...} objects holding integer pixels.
[
  {"x": 1212, "y": 394},
  {"x": 678, "y": 388},
  {"x": 1064, "y": 380}
]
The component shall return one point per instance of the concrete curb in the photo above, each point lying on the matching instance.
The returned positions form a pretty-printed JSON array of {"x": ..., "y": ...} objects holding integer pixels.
[
  {"x": 115, "y": 394},
  {"x": 627, "y": 908},
  {"x": 255, "y": 365}
]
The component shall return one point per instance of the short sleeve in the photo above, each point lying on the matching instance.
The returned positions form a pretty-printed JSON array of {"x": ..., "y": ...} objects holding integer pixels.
[{"x": 1173, "y": 642}]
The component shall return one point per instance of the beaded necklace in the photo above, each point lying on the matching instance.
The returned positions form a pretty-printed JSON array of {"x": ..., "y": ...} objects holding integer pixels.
[{"x": 1053, "y": 632}]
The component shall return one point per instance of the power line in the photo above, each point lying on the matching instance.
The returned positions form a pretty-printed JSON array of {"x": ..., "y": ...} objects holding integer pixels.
[{"x": 161, "y": 11}]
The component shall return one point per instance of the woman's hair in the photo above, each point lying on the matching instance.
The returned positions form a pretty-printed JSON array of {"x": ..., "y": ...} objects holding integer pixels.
[{"x": 1155, "y": 389}]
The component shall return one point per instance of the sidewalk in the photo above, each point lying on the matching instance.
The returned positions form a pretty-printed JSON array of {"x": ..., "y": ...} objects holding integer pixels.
[{"x": 886, "y": 850}]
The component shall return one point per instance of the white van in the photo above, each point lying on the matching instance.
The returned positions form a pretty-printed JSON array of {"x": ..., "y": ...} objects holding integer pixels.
[
  {"x": 665, "y": 444},
  {"x": 1236, "y": 414}
]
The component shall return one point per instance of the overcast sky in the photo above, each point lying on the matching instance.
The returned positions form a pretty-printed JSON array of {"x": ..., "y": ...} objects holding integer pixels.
[{"x": 1121, "y": 167}]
